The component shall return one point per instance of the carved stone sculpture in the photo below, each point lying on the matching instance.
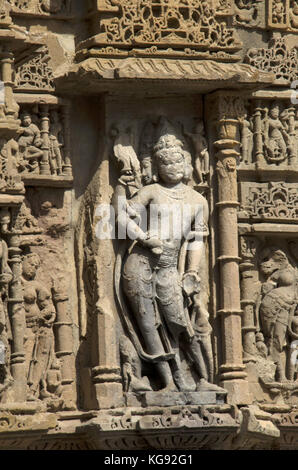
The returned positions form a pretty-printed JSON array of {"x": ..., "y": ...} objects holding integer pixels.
[
  {"x": 29, "y": 145},
  {"x": 165, "y": 297},
  {"x": 56, "y": 142},
  {"x": 40, "y": 316},
  {"x": 5, "y": 329},
  {"x": 277, "y": 305}
]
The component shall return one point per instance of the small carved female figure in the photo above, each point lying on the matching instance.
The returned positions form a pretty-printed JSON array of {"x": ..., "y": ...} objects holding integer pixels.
[
  {"x": 55, "y": 138},
  {"x": 275, "y": 136},
  {"x": 40, "y": 316}
]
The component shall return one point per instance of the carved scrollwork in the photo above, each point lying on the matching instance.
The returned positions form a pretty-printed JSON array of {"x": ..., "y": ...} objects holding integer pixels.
[
  {"x": 35, "y": 74},
  {"x": 277, "y": 58},
  {"x": 162, "y": 24},
  {"x": 277, "y": 201}
]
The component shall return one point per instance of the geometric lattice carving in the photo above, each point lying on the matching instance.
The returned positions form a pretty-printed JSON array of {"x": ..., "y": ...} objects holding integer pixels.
[
  {"x": 160, "y": 24},
  {"x": 269, "y": 201},
  {"x": 36, "y": 73},
  {"x": 280, "y": 60}
]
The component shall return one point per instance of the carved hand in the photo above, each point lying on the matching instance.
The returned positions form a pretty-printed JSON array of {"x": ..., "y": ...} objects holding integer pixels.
[
  {"x": 154, "y": 244},
  {"x": 191, "y": 283}
]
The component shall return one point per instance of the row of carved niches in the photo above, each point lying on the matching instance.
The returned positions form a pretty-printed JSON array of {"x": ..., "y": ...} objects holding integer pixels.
[
  {"x": 36, "y": 339},
  {"x": 269, "y": 136},
  {"x": 43, "y": 143},
  {"x": 185, "y": 28},
  {"x": 269, "y": 293},
  {"x": 271, "y": 14},
  {"x": 272, "y": 202},
  {"x": 56, "y": 8}
]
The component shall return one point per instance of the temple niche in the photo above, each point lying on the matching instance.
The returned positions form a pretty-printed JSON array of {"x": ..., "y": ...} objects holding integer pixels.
[{"x": 148, "y": 225}]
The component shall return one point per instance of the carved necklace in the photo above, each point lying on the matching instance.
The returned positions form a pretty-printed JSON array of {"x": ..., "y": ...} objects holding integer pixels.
[{"x": 177, "y": 194}]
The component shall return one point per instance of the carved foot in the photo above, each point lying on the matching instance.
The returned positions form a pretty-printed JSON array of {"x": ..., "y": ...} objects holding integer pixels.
[
  {"x": 181, "y": 384},
  {"x": 171, "y": 387},
  {"x": 139, "y": 385},
  {"x": 204, "y": 386}
]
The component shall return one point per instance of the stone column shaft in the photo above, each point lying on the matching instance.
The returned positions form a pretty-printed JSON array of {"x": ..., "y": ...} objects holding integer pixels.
[
  {"x": 18, "y": 322},
  {"x": 227, "y": 108},
  {"x": 44, "y": 164}
]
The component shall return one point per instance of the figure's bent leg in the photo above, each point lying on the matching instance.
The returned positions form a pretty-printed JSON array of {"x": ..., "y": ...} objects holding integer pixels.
[
  {"x": 144, "y": 313},
  {"x": 279, "y": 336}
]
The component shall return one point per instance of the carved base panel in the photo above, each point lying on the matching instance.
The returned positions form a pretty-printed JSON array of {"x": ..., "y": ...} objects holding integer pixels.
[{"x": 178, "y": 399}]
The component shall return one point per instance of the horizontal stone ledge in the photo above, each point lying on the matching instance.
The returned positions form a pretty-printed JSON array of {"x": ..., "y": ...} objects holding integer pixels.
[
  {"x": 274, "y": 94},
  {"x": 50, "y": 181},
  {"x": 43, "y": 97},
  {"x": 268, "y": 228},
  {"x": 11, "y": 200},
  {"x": 166, "y": 399},
  {"x": 94, "y": 69}
]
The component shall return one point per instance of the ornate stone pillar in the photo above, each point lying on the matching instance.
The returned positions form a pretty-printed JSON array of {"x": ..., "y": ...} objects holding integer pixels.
[
  {"x": 248, "y": 304},
  {"x": 227, "y": 108},
  {"x": 44, "y": 164},
  {"x": 64, "y": 346},
  {"x": 17, "y": 319},
  {"x": 258, "y": 137},
  {"x": 106, "y": 375},
  {"x": 6, "y": 63},
  {"x": 67, "y": 168}
]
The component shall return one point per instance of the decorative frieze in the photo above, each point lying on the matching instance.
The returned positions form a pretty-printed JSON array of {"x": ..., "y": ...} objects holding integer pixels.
[
  {"x": 269, "y": 134},
  {"x": 41, "y": 7},
  {"x": 278, "y": 58},
  {"x": 269, "y": 201},
  {"x": 35, "y": 74},
  {"x": 165, "y": 28}
]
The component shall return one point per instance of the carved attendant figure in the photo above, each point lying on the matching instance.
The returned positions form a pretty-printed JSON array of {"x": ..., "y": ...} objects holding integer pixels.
[
  {"x": 40, "y": 316},
  {"x": 5, "y": 333},
  {"x": 158, "y": 293},
  {"x": 29, "y": 144},
  {"x": 275, "y": 136},
  {"x": 277, "y": 304},
  {"x": 56, "y": 143}
]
